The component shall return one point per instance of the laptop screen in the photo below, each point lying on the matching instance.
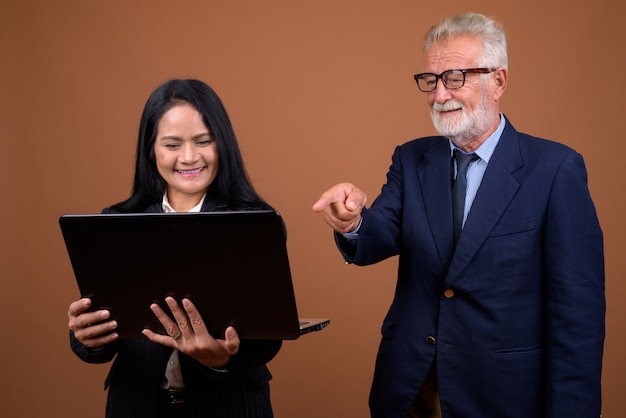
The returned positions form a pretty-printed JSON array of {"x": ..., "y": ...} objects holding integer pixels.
[{"x": 233, "y": 265}]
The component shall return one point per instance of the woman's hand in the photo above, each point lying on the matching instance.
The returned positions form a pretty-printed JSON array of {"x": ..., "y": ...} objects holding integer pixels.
[
  {"x": 188, "y": 333},
  {"x": 92, "y": 329}
]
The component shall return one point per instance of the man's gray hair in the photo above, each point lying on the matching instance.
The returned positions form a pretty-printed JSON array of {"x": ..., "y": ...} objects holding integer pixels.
[{"x": 488, "y": 30}]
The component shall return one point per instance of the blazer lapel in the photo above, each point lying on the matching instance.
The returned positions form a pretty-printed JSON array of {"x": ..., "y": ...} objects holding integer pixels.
[
  {"x": 436, "y": 181},
  {"x": 496, "y": 191}
]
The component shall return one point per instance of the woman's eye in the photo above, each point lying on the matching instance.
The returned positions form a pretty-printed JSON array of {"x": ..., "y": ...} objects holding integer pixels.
[
  {"x": 172, "y": 146},
  {"x": 204, "y": 142}
]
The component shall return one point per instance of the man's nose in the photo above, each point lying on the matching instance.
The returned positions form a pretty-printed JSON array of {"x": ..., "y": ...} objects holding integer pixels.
[{"x": 441, "y": 93}]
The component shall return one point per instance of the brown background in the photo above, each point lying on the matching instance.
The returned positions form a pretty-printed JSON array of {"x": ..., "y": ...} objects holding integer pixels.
[{"x": 319, "y": 92}]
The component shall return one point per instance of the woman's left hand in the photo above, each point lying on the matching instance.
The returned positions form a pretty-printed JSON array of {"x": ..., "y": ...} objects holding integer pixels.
[{"x": 189, "y": 335}]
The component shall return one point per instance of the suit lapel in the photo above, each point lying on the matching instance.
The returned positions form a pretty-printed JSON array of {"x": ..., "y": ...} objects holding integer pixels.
[
  {"x": 435, "y": 179},
  {"x": 497, "y": 189}
]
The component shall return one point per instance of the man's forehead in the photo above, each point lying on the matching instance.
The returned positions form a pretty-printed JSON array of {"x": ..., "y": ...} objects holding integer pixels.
[{"x": 454, "y": 53}]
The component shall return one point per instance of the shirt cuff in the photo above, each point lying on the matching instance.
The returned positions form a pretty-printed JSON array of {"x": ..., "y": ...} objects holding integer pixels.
[{"x": 353, "y": 235}]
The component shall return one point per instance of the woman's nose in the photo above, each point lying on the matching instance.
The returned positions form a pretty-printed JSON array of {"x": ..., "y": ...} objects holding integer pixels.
[{"x": 188, "y": 153}]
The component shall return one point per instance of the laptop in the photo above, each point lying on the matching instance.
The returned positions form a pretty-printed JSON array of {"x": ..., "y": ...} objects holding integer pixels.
[{"x": 233, "y": 266}]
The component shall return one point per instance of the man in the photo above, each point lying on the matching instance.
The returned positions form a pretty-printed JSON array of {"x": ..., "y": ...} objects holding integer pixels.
[{"x": 509, "y": 320}]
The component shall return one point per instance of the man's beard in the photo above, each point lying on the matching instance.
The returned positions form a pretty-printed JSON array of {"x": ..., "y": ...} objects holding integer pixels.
[{"x": 466, "y": 127}]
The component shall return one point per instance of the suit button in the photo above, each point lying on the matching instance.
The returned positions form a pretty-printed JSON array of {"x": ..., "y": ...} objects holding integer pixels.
[
  {"x": 448, "y": 293},
  {"x": 431, "y": 340}
]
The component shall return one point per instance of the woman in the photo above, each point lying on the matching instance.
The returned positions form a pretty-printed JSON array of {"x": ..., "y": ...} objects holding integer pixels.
[{"x": 187, "y": 160}]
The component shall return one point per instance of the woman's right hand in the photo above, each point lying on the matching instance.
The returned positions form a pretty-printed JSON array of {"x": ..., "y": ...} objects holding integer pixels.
[{"x": 92, "y": 329}]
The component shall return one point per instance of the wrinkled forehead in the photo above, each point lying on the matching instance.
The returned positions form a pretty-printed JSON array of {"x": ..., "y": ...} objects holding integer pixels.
[{"x": 455, "y": 53}]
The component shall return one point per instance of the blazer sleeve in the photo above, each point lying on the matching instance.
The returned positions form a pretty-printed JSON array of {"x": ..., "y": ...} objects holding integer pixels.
[
  {"x": 102, "y": 354},
  {"x": 574, "y": 279},
  {"x": 381, "y": 224},
  {"x": 252, "y": 355}
]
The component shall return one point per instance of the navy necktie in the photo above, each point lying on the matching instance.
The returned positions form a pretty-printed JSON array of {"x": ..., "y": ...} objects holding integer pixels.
[{"x": 458, "y": 190}]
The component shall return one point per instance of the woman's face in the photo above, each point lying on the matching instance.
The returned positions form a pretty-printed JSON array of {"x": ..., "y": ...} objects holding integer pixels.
[{"x": 186, "y": 156}]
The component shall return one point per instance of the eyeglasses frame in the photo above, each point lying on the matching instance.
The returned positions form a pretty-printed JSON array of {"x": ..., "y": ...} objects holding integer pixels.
[{"x": 440, "y": 77}]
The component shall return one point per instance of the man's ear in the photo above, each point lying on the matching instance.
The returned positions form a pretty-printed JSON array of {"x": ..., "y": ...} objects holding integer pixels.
[{"x": 500, "y": 77}]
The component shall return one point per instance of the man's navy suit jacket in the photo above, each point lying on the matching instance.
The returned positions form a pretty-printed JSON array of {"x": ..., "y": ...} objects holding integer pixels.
[{"x": 513, "y": 317}]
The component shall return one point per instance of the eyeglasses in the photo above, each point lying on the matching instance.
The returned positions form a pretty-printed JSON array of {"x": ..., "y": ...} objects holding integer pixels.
[{"x": 451, "y": 79}]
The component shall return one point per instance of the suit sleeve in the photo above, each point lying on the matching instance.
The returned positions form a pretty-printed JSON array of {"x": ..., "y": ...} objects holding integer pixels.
[
  {"x": 252, "y": 355},
  {"x": 103, "y": 354},
  {"x": 380, "y": 226},
  {"x": 575, "y": 300}
]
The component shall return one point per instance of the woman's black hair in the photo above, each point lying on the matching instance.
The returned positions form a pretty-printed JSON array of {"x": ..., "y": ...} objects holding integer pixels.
[{"x": 231, "y": 185}]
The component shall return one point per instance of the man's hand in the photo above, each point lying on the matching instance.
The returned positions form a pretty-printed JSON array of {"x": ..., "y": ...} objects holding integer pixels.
[{"x": 342, "y": 205}]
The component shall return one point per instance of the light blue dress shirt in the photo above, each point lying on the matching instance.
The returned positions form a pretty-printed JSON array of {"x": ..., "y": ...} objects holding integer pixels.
[{"x": 477, "y": 168}]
